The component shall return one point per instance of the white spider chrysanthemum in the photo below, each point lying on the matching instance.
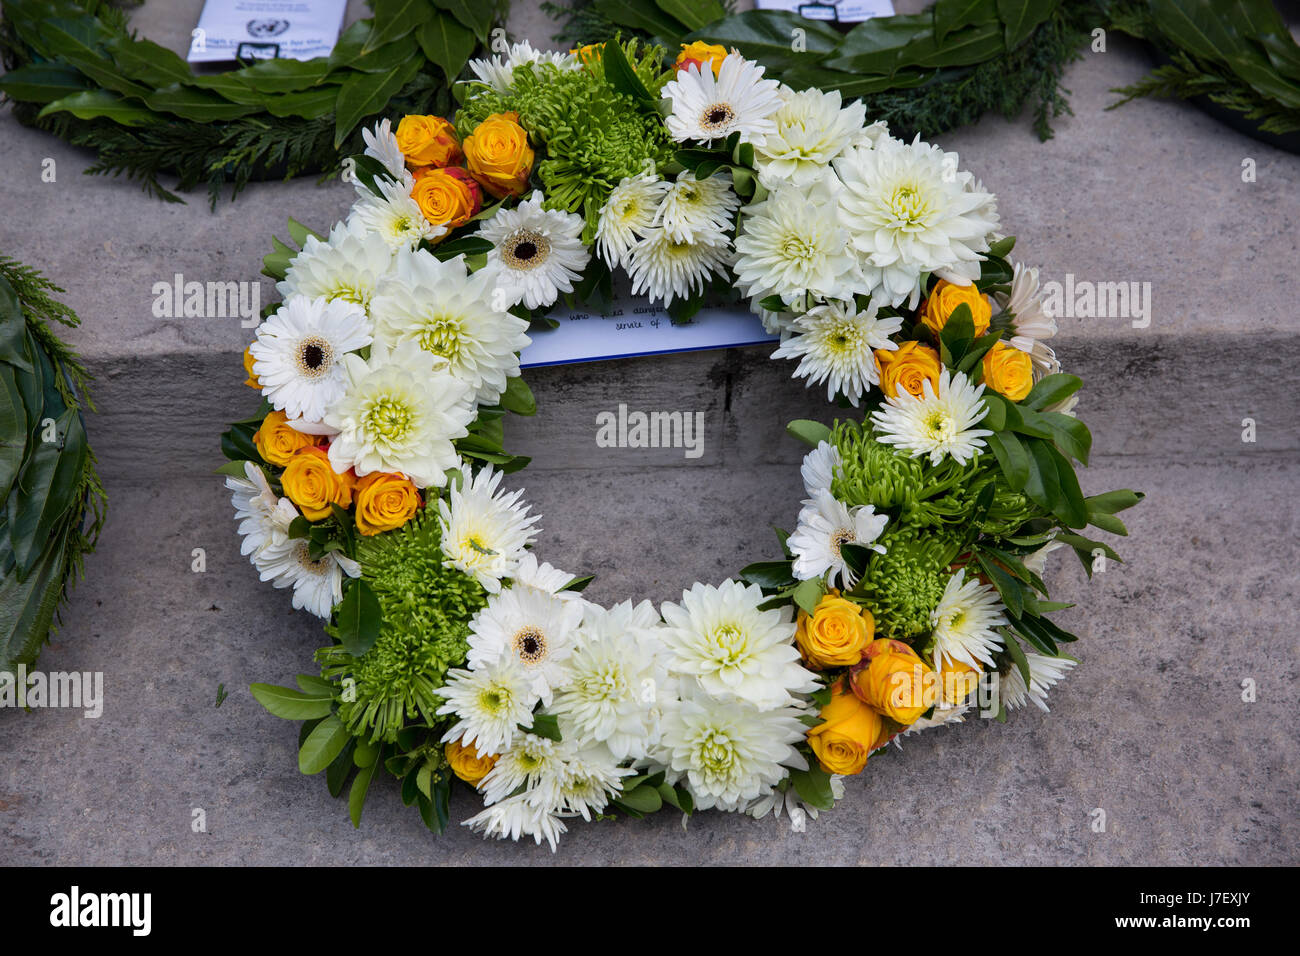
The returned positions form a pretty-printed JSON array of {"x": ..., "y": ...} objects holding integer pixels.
[
  {"x": 591, "y": 777},
  {"x": 935, "y": 424},
  {"x": 532, "y": 628},
  {"x": 812, "y": 128},
  {"x": 381, "y": 144},
  {"x": 698, "y": 210},
  {"x": 775, "y": 802},
  {"x": 498, "y": 72},
  {"x": 616, "y": 680},
  {"x": 536, "y": 253},
  {"x": 400, "y": 413},
  {"x": 663, "y": 268},
  {"x": 489, "y": 705},
  {"x": 1044, "y": 673},
  {"x": 942, "y": 715},
  {"x": 910, "y": 211},
  {"x": 346, "y": 266},
  {"x": 735, "y": 651},
  {"x": 791, "y": 245},
  {"x": 317, "y": 585},
  {"x": 263, "y": 518},
  {"x": 825, "y": 525},
  {"x": 449, "y": 312},
  {"x": 818, "y": 468},
  {"x": 729, "y": 752},
  {"x": 1031, "y": 325},
  {"x": 518, "y": 817},
  {"x": 627, "y": 215},
  {"x": 531, "y": 762},
  {"x": 393, "y": 216},
  {"x": 965, "y": 622},
  {"x": 484, "y": 530},
  {"x": 531, "y": 573},
  {"x": 708, "y": 108},
  {"x": 299, "y": 354},
  {"x": 835, "y": 344}
]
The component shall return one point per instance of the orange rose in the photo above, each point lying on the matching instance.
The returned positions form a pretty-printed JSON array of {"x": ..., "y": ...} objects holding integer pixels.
[
  {"x": 835, "y": 634},
  {"x": 700, "y": 54},
  {"x": 447, "y": 197},
  {"x": 847, "y": 734},
  {"x": 497, "y": 154},
  {"x": 384, "y": 502},
  {"x": 944, "y": 299},
  {"x": 251, "y": 381},
  {"x": 277, "y": 441},
  {"x": 313, "y": 485},
  {"x": 467, "y": 764},
  {"x": 1008, "y": 371},
  {"x": 429, "y": 141},
  {"x": 910, "y": 365},
  {"x": 957, "y": 680},
  {"x": 892, "y": 681}
]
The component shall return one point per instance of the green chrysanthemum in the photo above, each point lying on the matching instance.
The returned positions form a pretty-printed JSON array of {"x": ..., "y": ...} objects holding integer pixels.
[
  {"x": 426, "y": 609},
  {"x": 903, "y": 585}
]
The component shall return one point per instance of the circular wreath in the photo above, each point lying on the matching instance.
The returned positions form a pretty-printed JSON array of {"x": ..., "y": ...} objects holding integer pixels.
[{"x": 370, "y": 481}]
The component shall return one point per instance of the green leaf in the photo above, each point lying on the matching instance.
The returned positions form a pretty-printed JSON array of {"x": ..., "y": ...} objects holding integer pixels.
[
  {"x": 1011, "y": 590},
  {"x": 768, "y": 574},
  {"x": 545, "y": 725},
  {"x": 1012, "y": 458},
  {"x": 518, "y": 397},
  {"x": 475, "y": 14},
  {"x": 808, "y": 594},
  {"x": 813, "y": 786},
  {"x": 1017, "y": 654},
  {"x": 1021, "y": 17},
  {"x": 1051, "y": 389},
  {"x": 809, "y": 432},
  {"x": 765, "y": 35},
  {"x": 299, "y": 232},
  {"x": 323, "y": 744},
  {"x": 1073, "y": 511},
  {"x": 1113, "y": 501},
  {"x": 357, "y": 796},
  {"x": 1002, "y": 248},
  {"x": 693, "y": 13},
  {"x": 641, "y": 15},
  {"x": 45, "y": 488},
  {"x": 201, "y": 106},
  {"x": 359, "y": 617},
  {"x": 13, "y": 430},
  {"x": 642, "y": 799},
  {"x": 309, "y": 104},
  {"x": 447, "y": 43},
  {"x": 949, "y": 15},
  {"x": 314, "y": 686},
  {"x": 958, "y": 333},
  {"x": 579, "y": 584},
  {"x": 27, "y": 606},
  {"x": 42, "y": 82},
  {"x": 336, "y": 774},
  {"x": 365, "y": 94},
  {"x": 277, "y": 77},
  {"x": 101, "y": 104},
  {"x": 394, "y": 19},
  {"x": 622, "y": 77},
  {"x": 291, "y": 704},
  {"x": 1070, "y": 434}
]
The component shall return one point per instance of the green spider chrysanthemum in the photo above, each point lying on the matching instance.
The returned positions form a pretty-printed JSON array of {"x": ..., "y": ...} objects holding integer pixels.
[
  {"x": 426, "y": 609},
  {"x": 903, "y": 585}
]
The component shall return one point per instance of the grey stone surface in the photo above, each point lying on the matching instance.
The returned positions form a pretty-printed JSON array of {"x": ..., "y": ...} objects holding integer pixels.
[{"x": 1151, "y": 727}]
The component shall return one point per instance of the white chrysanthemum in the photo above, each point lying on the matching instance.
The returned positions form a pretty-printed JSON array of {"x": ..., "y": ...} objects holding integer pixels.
[
  {"x": 532, "y": 628},
  {"x": 1036, "y": 561},
  {"x": 263, "y": 518},
  {"x": 825, "y": 526},
  {"x": 400, "y": 413},
  {"x": 835, "y": 344},
  {"x": 534, "y": 763},
  {"x": 812, "y": 128},
  {"x": 791, "y": 245},
  {"x": 966, "y": 621},
  {"x": 627, "y": 215},
  {"x": 1031, "y": 325},
  {"x": 942, "y": 715},
  {"x": 698, "y": 210},
  {"x": 663, "y": 268},
  {"x": 708, "y": 108},
  {"x": 775, "y": 802},
  {"x": 449, "y": 311},
  {"x": 818, "y": 468},
  {"x": 719, "y": 636},
  {"x": 317, "y": 585},
  {"x": 484, "y": 530},
  {"x": 499, "y": 72},
  {"x": 616, "y": 680},
  {"x": 536, "y": 253},
  {"x": 347, "y": 266},
  {"x": 1044, "y": 673},
  {"x": 381, "y": 144},
  {"x": 729, "y": 752},
  {"x": 489, "y": 704},
  {"x": 393, "y": 216},
  {"x": 590, "y": 778},
  {"x": 910, "y": 211},
  {"x": 935, "y": 424},
  {"x": 774, "y": 323},
  {"x": 299, "y": 354},
  {"x": 531, "y": 573},
  {"x": 518, "y": 817}
]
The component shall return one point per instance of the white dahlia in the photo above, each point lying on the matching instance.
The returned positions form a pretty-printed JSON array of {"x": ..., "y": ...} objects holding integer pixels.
[
  {"x": 498, "y": 72},
  {"x": 317, "y": 585},
  {"x": 965, "y": 622},
  {"x": 1031, "y": 325},
  {"x": 708, "y": 108},
  {"x": 627, "y": 215},
  {"x": 698, "y": 210},
  {"x": 825, "y": 525},
  {"x": 393, "y": 216},
  {"x": 835, "y": 343},
  {"x": 347, "y": 266},
  {"x": 263, "y": 518},
  {"x": 484, "y": 530},
  {"x": 534, "y": 629},
  {"x": 1044, "y": 673},
  {"x": 935, "y": 424},
  {"x": 489, "y": 705},
  {"x": 537, "y": 253},
  {"x": 663, "y": 268},
  {"x": 812, "y": 128}
]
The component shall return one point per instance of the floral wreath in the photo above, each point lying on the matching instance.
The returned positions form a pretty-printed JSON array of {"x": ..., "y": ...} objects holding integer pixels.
[{"x": 370, "y": 480}]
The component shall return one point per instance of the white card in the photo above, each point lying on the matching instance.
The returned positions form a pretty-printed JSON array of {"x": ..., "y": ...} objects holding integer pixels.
[
  {"x": 844, "y": 11},
  {"x": 266, "y": 29}
]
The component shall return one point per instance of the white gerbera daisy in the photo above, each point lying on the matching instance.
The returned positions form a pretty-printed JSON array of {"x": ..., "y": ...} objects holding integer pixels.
[
  {"x": 531, "y": 573},
  {"x": 812, "y": 128},
  {"x": 498, "y": 72},
  {"x": 263, "y": 518},
  {"x": 825, "y": 526},
  {"x": 735, "y": 651},
  {"x": 1044, "y": 673},
  {"x": 489, "y": 704},
  {"x": 532, "y": 628},
  {"x": 698, "y": 210},
  {"x": 708, "y": 108},
  {"x": 400, "y": 413},
  {"x": 666, "y": 269},
  {"x": 449, "y": 311},
  {"x": 485, "y": 530},
  {"x": 1031, "y": 324},
  {"x": 537, "y": 253},
  {"x": 966, "y": 621},
  {"x": 531, "y": 762},
  {"x": 819, "y": 467},
  {"x": 347, "y": 266},
  {"x": 518, "y": 817},
  {"x": 299, "y": 354},
  {"x": 627, "y": 215},
  {"x": 317, "y": 585},
  {"x": 910, "y": 211},
  {"x": 835, "y": 343},
  {"x": 381, "y": 144},
  {"x": 791, "y": 245},
  {"x": 935, "y": 425},
  {"x": 393, "y": 216}
]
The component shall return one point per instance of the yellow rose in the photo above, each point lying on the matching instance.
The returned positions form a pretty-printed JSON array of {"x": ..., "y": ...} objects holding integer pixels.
[
  {"x": 847, "y": 734},
  {"x": 428, "y": 141},
  {"x": 277, "y": 441},
  {"x": 907, "y": 367},
  {"x": 313, "y": 485},
  {"x": 251, "y": 381},
  {"x": 957, "y": 680},
  {"x": 1008, "y": 371},
  {"x": 835, "y": 634},
  {"x": 384, "y": 502},
  {"x": 701, "y": 53},
  {"x": 467, "y": 764},
  {"x": 448, "y": 197},
  {"x": 945, "y": 297},
  {"x": 588, "y": 54},
  {"x": 497, "y": 154},
  {"x": 892, "y": 681}
]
